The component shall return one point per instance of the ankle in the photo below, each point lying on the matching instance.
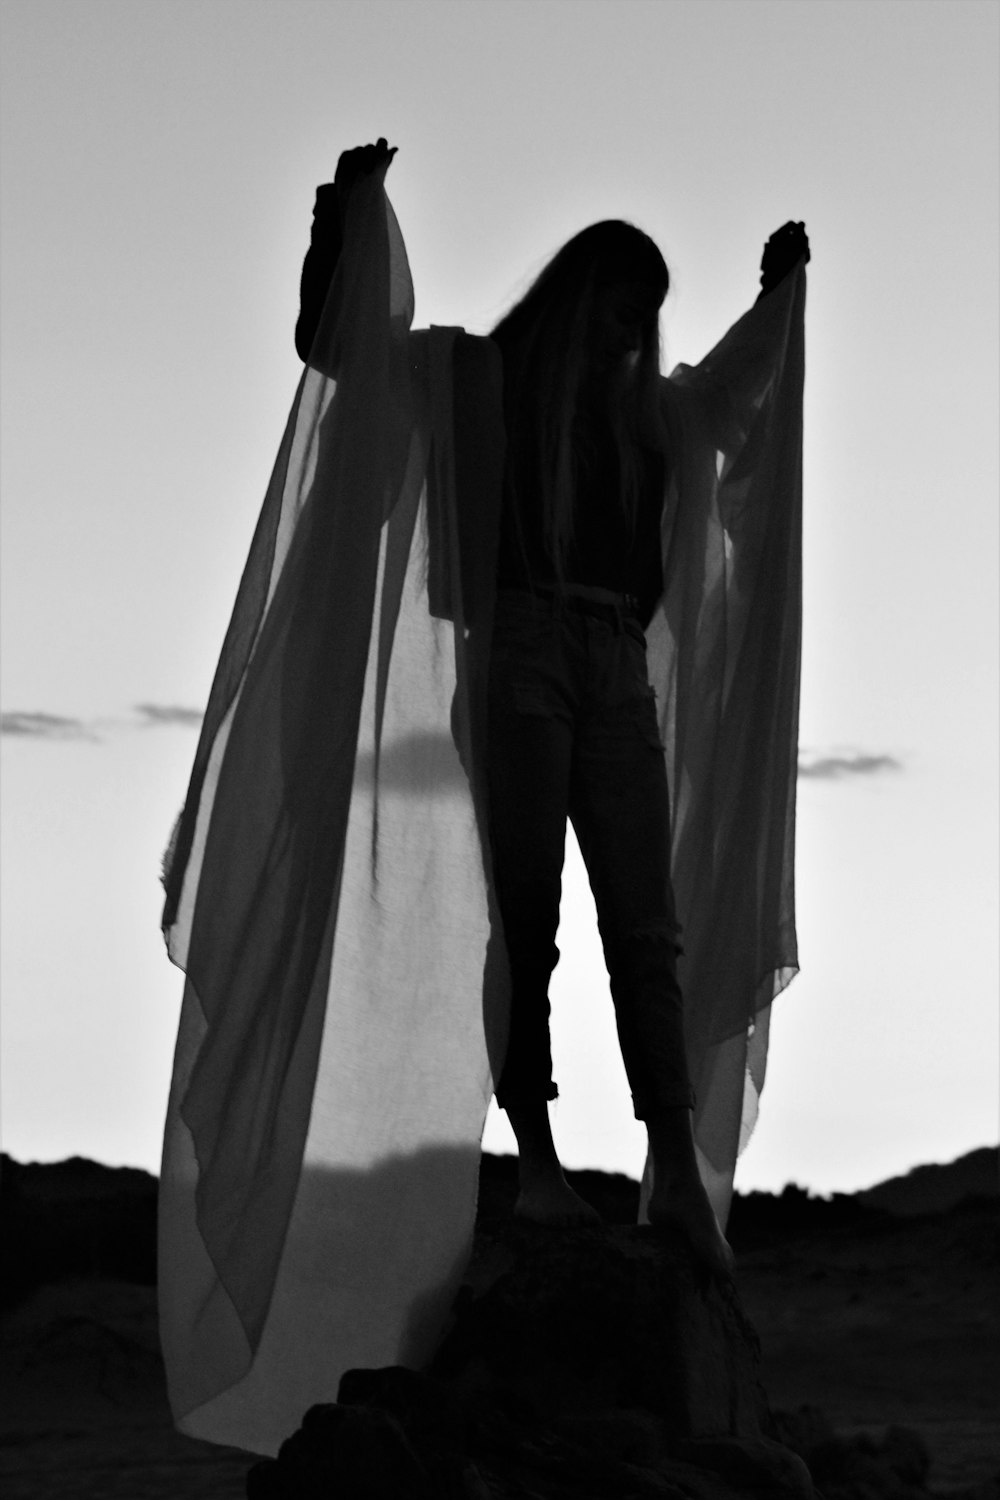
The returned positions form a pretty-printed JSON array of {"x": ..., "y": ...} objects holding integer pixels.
[
  {"x": 535, "y": 1175},
  {"x": 671, "y": 1145}
]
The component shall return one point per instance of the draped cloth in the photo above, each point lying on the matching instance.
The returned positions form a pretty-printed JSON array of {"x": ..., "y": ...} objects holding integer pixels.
[{"x": 329, "y": 893}]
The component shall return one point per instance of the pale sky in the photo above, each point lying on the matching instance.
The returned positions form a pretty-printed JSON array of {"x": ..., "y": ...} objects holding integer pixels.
[{"x": 159, "y": 161}]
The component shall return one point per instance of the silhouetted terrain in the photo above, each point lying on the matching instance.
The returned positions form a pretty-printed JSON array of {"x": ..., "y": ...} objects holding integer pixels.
[
  {"x": 935, "y": 1189},
  {"x": 74, "y": 1218},
  {"x": 873, "y": 1309}
]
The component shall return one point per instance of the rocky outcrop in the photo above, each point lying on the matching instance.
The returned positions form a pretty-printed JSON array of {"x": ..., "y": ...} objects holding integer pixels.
[
  {"x": 895, "y": 1466},
  {"x": 591, "y": 1364}
]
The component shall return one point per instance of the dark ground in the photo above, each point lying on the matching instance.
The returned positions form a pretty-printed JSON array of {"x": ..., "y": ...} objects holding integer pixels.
[{"x": 878, "y": 1309}]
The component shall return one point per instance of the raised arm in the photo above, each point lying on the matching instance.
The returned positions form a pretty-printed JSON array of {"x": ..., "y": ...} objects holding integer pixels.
[
  {"x": 327, "y": 238},
  {"x": 325, "y": 244},
  {"x": 729, "y": 387}
]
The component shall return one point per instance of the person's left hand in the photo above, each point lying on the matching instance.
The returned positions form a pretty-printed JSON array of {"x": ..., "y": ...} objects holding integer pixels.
[{"x": 783, "y": 251}]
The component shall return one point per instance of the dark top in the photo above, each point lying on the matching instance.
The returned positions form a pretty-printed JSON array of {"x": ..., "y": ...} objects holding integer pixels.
[{"x": 607, "y": 551}]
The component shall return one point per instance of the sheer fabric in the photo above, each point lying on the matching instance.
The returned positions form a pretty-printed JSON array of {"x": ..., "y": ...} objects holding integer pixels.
[{"x": 328, "y": 886}]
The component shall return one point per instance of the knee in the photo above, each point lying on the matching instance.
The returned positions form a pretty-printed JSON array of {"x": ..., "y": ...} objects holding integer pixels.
[
  {"x": 655, "y": 940},
  {"x": 647, "y": 954}
]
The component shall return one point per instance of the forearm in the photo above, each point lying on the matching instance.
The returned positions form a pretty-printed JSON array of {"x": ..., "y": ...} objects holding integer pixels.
[{"x": 318, "y": 267}]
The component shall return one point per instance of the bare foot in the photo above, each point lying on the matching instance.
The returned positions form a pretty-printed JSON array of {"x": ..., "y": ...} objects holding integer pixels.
[
  {"x": 551, "y": 1201},
  {"x": 685, "y": 1206}
]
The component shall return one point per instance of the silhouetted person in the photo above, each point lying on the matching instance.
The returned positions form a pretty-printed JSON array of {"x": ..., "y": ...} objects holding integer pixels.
[
  {"x": 495, "y": 583},
  {"x": 572, "y": 723},
  {"x": 571, "y": 716}
]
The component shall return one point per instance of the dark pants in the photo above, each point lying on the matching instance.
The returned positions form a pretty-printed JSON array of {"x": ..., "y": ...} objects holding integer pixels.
[{"x": 573, "y": 732}]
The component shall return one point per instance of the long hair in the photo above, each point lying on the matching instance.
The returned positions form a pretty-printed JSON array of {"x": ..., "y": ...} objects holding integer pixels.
[{"x": 544, "y": 344}]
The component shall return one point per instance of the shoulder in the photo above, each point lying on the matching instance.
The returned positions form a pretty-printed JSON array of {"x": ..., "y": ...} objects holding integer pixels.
[
  {"x": 474, "y": 355},
  {"x": 478, "y": 356},
  {"x": 678, "y": 401}
]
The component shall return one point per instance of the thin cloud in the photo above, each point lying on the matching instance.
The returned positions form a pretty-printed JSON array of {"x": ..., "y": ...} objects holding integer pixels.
[
  {"x": 416, "y": 767},
  {"x": 423, "y": 764},
  {"x": 40, "y": 726},
  {"x": 156, "y": 714},
  {"x": 846, "y": 763}
]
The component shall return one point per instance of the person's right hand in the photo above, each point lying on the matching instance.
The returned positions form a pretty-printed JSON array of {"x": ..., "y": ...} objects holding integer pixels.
[{"x": 359, "y": 162}]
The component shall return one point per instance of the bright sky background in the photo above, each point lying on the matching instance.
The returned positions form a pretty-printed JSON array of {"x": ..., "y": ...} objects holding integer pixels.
[{"x": 159, "y": 163}]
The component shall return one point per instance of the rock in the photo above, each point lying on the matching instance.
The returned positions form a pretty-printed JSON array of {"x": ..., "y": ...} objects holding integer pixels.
[
  {"x": 803, "y": 1431},
  {"x": 578, "y": 1364},
  {"x": 340, "y": 1449},
  {"x": 606, "y": 1319},
  {"x": 858, "y": 1467},
  {"x": 906, "y": 1454}
]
